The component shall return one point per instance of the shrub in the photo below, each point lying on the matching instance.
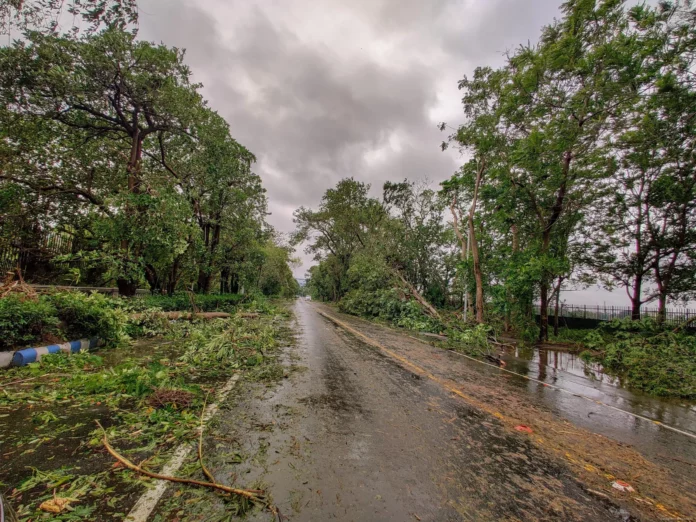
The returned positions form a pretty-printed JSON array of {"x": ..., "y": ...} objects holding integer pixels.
[
  {"x": 646, "y": 355},
  {"x": 88, "y": 316},
  {"x": 182, "y": 302},
  {"x": 59, "y": 316},
  {"x": 25, "y": 321}
]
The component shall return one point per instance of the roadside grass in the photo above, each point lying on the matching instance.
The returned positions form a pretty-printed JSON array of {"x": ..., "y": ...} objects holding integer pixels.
[
  {"x": 647, "y": 356},
  {"x": 643, "y": 354},
  {"x": 148, "y": 406}
]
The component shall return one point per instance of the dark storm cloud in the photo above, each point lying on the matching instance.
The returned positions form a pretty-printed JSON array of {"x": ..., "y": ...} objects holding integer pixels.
[{"x": 323, "y": 91}]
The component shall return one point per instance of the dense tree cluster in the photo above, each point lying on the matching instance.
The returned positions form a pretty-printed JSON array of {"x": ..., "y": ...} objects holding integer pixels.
[
  {"x": 105, "y": 141},
  {"x": 581, "y": 166}
]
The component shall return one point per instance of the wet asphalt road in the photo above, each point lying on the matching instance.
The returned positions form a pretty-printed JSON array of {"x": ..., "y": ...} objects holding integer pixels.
[{"x": 359, "y": 438}]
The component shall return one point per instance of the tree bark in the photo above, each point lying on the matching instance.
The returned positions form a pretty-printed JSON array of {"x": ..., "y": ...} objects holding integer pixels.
[
  {"x": 556, "y": 212},
  {"x": 466, "y": 297},
  {"x": 543, "y": 311},
  {"x": 425, "y": 304},
  {"x": 126, "y": 287},
  {"x": 474, "y": 247},
  {"x": 203, "y": 283},
  {"x": 557, "y": 292},
  {"x": 636, "y": 298},
  {"x": 662, "y": 308}
]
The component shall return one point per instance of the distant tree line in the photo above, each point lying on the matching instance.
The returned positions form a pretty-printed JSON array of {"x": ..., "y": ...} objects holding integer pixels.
[{"x": 581, "y": 168}]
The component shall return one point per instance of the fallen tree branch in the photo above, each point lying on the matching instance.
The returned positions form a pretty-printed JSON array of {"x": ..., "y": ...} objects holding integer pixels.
[
  {"x": 22, "y": 381},
  {"x": 684, "y": 324},
  {"x": 252, "y": 494},
  {"x": 425, "y": 304},
  {"x": 184, "y": 315},
  {"x": 504, "y": 345}
]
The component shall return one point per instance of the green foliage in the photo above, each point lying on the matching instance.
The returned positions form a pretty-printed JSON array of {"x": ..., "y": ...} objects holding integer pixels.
[
  {"x": 87, "y": 316},
  {"x": 141, "y": 175},
  {"x": 182, "y": 302},
  {"x": 25, "y": 321},
  {"x": 473, "y": 341},
  {"x": 390, "y": 306},
  {"x": 647, "y": 356},
  {"x": 229, "y": 344},
  {"x": 67, "y": 315}
]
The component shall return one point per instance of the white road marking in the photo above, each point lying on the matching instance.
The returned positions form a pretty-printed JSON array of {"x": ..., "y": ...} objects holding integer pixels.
[{"x": 146, "y": 504}]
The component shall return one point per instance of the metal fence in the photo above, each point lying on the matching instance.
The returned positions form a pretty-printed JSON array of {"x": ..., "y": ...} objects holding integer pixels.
[
  {"x": 15, "y": 255},
  {"x": 607, "y": 313}
]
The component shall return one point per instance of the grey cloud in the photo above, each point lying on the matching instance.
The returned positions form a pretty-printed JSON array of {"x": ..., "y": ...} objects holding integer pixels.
[{"x": 313, "y": 116}]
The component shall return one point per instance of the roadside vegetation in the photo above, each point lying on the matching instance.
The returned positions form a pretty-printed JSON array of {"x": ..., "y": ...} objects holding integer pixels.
[
  {"x": 148, "y": 396},
  {"x": 650, "y": 357},
  {"x": 115, "y": 171},
  {"x": 581, "y": 170},
  {"x": 58, "y": 317}
]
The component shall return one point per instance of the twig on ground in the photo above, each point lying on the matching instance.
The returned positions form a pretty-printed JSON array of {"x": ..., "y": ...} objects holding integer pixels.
[
  {"x": 254, "y": 495},
  {"x": 21, "y": 381}
]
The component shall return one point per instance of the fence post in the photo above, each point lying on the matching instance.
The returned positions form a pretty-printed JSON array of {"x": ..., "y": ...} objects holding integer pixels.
[{"x": 584, "y": 315}]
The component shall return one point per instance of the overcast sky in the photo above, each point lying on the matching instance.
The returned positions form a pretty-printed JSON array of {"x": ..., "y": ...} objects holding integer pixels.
[{"x": 324, "y": 90}]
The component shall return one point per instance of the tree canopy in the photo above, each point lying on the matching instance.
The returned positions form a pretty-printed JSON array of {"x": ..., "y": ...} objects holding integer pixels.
[
  {"x": 106, "y": 143},
  {"x": 579, "y": 169}
]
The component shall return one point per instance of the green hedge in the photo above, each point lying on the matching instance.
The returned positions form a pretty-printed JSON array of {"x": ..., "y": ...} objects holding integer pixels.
[
  {"x": 64, "y": 316},
  {"x": 25, "y": 321},
  {"x": 182, "y": 302}
]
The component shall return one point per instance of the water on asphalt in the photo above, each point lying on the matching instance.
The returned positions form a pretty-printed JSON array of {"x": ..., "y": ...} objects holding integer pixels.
[{"x": 353, "y": 436}]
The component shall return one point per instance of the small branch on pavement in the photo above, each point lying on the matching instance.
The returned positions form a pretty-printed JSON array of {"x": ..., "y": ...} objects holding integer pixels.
[{"x": 254, "y": 495}]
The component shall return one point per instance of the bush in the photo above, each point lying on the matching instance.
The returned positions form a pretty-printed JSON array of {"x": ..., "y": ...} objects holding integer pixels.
[
  {"x": 182, "y": 302},
  {"x": 25, "y": 321},
  {"x": 86, "y": 316},
  {"x": 59, "y": 316},
  {"x": 647, "y": 356}
]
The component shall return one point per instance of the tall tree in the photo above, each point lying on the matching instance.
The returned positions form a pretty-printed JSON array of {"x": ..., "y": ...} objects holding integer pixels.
[{"x": 107, "y": 89}]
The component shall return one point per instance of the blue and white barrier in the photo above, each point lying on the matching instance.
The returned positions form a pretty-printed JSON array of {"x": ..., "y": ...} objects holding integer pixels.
[{"x": 30, "y": 355}]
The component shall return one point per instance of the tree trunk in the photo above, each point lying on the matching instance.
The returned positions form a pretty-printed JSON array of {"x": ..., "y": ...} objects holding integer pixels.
[
  {"x": 126, "y": 287},
  {"x": 466, "y": 297},
  {"x": 152, "y": 279},
  {"x": 662, "y": 308},
  {"x": 425, "y": 304},
  {"x": 556, "y": 211},
  {"x": 543, "y": 311},
  {"x": 203, "y": 283},
  {"x": 555, "y": 309},
  {"x": 515, "y": 238},
  {"x": 474, "y": 247},
  {"x": 225, "y": 281},
  {"x": 636, "y": 298}
]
